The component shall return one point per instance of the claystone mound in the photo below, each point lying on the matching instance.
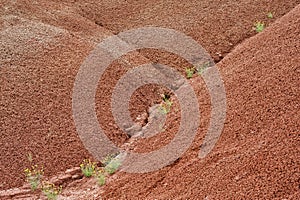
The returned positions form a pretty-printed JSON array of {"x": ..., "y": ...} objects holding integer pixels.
[
  {"x": 42, "y": 47},
  {"x": 257, "y": 154}
]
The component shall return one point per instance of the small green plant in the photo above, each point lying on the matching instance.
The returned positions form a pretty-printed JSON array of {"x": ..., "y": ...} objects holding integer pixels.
[
  {"x": 88, "y": 167},
  {"x": 165, "y": 106},
  {"x": 100, "y": 176},
  {"x": 189, "y": 72},
  {"x": 108, "y": 158},
  {"x": 259, "y": 26},
  {"x": 270, "y": 15},
  {"x": 112, "y": 166},
  {"x": 51, "y": 191},
  {"x": 203, "y": 67},
  {"x": 111, "y": 163},
  {"x": 33, "y": 176}
]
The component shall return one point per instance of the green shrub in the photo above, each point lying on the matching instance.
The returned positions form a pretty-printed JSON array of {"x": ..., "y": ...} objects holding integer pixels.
[
  {"x": 108, "y": 158},
  {"x": 112, "y": 166},
  {"x": 88, "y": 167},
  {"x": 203, "y": 67},
  {"x": 270, "y": 15},
  {"x": 51, "y": 191},
  {"x": 100, "y": 177},
  {"x": 259, "y": 26},
  {"x": 165, "y": 106},
  {"x": 33, "y": 176},
  {"x": 189, "y": 72}
]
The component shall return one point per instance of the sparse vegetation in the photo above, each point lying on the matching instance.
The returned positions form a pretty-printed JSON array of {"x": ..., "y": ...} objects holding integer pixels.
[
  {"x": 105, "y": 161},
  {"x": 259, "y": 27},
  {"x": 165, "y": 106},
  {"x": 33, "y": 176},
  {"x": 100, "y": 176},
  {"x": 189, "y": 72},
  {"x": 51, "y": 191},
  {"x": 203, "y": 67},
  {"x": 88, "y": 167},
  {"x": 199, "y": 70},
  {"x": 111, "y": 165},
  {"x": 270, "y": 15}
]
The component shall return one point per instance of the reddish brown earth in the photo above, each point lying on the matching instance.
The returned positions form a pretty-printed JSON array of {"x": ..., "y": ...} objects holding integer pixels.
[{"x": 257, "y": 156}]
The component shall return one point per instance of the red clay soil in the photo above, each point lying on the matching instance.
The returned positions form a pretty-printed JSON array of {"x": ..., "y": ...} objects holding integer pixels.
[
  {"x": 257, "y": 156},
  {"x": 213, "y": 23},
  {"x": 43, "y": 45}
]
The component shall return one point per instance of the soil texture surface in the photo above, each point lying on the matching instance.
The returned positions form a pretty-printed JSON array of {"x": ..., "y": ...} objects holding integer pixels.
[{"x": 44, "y": 43}]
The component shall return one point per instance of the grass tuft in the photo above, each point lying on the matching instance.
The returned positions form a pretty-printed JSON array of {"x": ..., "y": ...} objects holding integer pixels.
[
  {"x": 259, "y": 27},
  {"x": 33, "y": 176},
  {"x": 51, "y": 191},
  {"x": 88, "y": 167}
]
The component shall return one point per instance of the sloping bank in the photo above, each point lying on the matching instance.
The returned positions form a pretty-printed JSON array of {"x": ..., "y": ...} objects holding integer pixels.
[{"x": 257, "y": 156}]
